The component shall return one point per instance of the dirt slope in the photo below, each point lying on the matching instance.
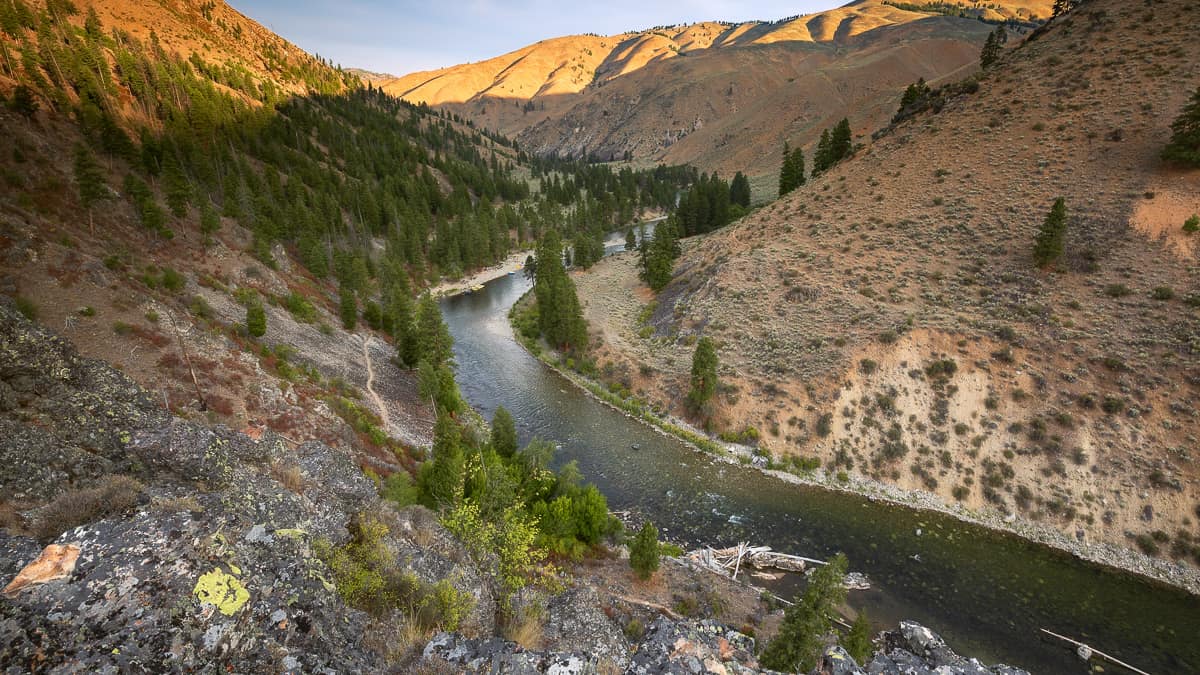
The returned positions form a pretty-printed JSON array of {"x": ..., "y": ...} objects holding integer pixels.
[{"x": 887, "y": 319}]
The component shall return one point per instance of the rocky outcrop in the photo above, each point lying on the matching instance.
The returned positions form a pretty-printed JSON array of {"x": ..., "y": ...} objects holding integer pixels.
[
  {"x": 210, "y": 566},
  {"x": 708, "y": 648}
]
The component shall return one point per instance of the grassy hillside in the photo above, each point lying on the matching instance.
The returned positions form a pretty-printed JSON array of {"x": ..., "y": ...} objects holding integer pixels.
[
  {"x": 887, "y": 320},
  {"x": 173, "y": 168}
]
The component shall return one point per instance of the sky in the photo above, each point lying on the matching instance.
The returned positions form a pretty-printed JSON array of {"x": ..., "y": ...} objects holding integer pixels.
[{"x": 402, "y": 36}]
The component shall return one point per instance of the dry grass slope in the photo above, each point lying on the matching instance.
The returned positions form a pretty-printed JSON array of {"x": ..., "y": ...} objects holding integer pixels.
[{"x": 887, "y": 319}]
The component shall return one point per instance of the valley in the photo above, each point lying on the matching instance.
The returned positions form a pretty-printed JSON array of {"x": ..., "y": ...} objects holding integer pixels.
[{"x": 309, "y": 368}]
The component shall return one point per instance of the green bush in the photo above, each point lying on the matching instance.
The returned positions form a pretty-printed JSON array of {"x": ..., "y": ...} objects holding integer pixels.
[
  {"x": 1162, "y": 293},
  {"x": 369, "y": 578},
  {"x": 644, "y": 552},
  {"x": 1192, "y": 224},
  {"x": 172, "y": 280},
  {"x": 300, "y": 308}
]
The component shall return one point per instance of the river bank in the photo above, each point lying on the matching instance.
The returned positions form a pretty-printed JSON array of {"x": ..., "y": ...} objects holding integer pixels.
[
  {"x": 515, "y": 262},
  {"x": 1100, "y": 553}
]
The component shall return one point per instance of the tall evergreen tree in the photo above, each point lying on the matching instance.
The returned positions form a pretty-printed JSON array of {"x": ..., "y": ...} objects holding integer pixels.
[
  {"x": 436, "y": 345},
  {"x": 791, "y": 176},
  {"x": 823, "y": 159},
  {"x": 659, "y": 255},
  {"x": 398, "y": 310},
  {"x": 441, "y": 479},
  {"x": 739, "y": 190},
  {"x": 176, "y": 186},
  {"x": 210, "y": 222},
  {"x": 704, "y": 377},
  {"x": 1049, "y": 243},
  {"x": 841, "y": 142},
  {"x": 504, "y": 433},
  {"x": 801, "y": 636},
  {"x": 347, "y": 307},
  {"x": 990, "y": 52},
  {"x": 1184, "y": 147},
  {"x": 785, "y": 171},
  {"x": 560, "y": 316},
  {"x": 89, "y": 180}
]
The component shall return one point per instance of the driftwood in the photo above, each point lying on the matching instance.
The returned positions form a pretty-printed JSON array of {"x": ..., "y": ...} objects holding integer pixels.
[
  {"x": 729, "y": 561},
  {"x": 650, "y": 605}
]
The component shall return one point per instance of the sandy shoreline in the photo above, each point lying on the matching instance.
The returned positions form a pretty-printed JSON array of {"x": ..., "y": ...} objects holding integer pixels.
[{"x": 513, "y": 263}]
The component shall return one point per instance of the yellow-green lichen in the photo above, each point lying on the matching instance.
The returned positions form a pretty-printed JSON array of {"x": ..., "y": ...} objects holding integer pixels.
[{"x": 223, "y": 590}]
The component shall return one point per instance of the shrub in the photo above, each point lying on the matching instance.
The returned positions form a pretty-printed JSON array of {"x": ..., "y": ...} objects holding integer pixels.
[
  {"x": 200, "y": 308},
  {"x": 1117, "y": 290},
  {"x": 1112, "y": 405},
  {"x": 26, "y": 307},
  {"x": 1192, "y": 224},
  {"x": 111, "y": 495},
  {"x": 172, "y": 280},
  {"x": 256, "y": 319},
  {"x": 824, "y": 425},
  {"x": 368, "y": 578},
  {"x": 1162, "y": 293},
  {"x": 300, "y": 308},
  {"x": 644, "y": 552}
]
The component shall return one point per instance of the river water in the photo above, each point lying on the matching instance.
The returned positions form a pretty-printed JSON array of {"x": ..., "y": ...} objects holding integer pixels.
[{"x": 986, "y": 593}]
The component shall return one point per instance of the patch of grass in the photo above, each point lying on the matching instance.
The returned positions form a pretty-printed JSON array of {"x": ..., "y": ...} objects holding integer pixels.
[
  {"x": 110, "y": 495},
  {"x": 1117, "y": 290}
]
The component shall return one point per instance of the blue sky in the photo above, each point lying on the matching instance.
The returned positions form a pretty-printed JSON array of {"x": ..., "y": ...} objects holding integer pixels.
[{"x": 402, "y": 37}]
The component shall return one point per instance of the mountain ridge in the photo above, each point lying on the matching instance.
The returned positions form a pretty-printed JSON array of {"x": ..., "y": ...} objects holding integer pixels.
[{"x": 557, "y": 97}]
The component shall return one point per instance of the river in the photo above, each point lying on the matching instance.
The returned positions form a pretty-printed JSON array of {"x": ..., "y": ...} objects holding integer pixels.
[{"x": 986, "y": 593}]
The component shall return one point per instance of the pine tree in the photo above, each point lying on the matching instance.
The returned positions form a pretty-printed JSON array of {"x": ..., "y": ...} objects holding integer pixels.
[
  {"x": 89, "y": 179},
  {"x": 739, "y": 191},
  {"x": 840, "y": 142},
  {"x": 441, "y": 479},
  {"x": 23, "y": 101},
  {"x": 660, "y": 254},
  {"x": 210, "y": 222},
  {"x": 630, "y": 239},
  {"x": 348, "y": 307},
  {"x": 256, "y": 319},
  {"x": 990, "y": 52},
  {"x": 176, "y": 186},
  {"x": 857, "y": 641},
  {"x": 704, "y": 376},
  {"x": 644, "y": 552},
  {"x": 402, "y": 324},
  {"x": 1049, "y": 243},
  {"x": 823, "y": 159},
  {"x": 436, "y": 345},
  {"x": 560, "y": 316},
  {"x": 792, "y": 174},
  {"x": 504, "y": 433},
  {"x": 798, "y": 644},
  {"x": 1184, "y": 147},
  {"x": 786, "y": 172}
]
